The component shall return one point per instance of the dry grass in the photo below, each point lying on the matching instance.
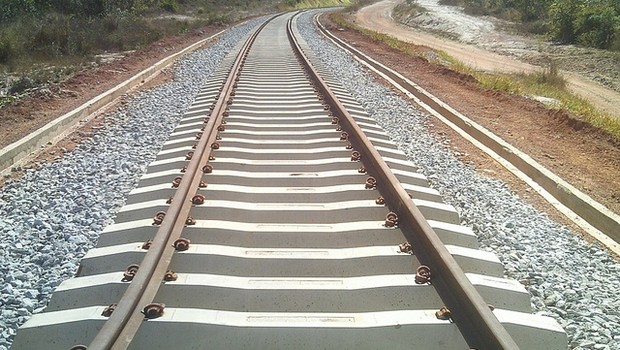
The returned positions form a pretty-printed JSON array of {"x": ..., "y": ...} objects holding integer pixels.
[{"x": 306, "y": 4}]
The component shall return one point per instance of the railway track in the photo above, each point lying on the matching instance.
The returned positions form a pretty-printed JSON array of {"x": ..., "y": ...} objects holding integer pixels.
[{"x": 279, "y": 215}]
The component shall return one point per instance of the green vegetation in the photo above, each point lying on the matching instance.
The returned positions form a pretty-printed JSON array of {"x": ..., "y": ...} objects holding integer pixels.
[
  {"x": 38, "y": 38},
  {"x": 548, "y": 82},
  {"x": 590, "y": 23},
  {"x": 409, "y": 8},
  {"x": 358, "y": 4},
  {"x": 34, "y": 31},
  {"x": 44, "y": 42},
  {"x": 304, "y": 4}
]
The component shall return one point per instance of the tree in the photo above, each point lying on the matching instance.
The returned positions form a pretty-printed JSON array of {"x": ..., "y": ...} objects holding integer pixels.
[
  {"x": 597, "y": 25},
  {"x": 562, "y": 16},
  {"x": 594, "y": 23},
  {"x": 12, "y": 9}
]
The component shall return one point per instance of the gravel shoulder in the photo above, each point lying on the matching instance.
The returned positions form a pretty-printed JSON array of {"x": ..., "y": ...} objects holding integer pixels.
[
  {"x": 592, "y": 74},
  {"x": 585, "y": 157}
]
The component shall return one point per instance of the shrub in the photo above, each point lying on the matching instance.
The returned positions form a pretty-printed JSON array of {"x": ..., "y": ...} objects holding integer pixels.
[
  {"x": 562, "y": 16},
  {"x": 452, "y": 2},
  {"x": 170, "y": 5},
  {"x": 22, "y": 84},
  {"x": 597, "y": 26},
  {"x": 535, "y": 27},
  {"x": 51, "y": 35},
  {"x": 8, "y": 48},
  {"x": 551, "y": 75}
]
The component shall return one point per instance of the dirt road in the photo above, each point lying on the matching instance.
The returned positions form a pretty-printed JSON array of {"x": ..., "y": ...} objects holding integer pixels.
[{"x": 378, "y": 17}]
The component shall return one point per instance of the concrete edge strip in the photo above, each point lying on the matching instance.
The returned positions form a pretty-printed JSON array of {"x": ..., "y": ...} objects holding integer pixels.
[
  {"x": 593, "y": 217},
  {"x": 17, "y": 151}
]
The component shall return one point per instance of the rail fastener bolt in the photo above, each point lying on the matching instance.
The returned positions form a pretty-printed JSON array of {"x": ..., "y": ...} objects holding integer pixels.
[
  {"x": 177, "y": 181},
  {"x": 423, "y": 274},
  {"x": 159, "y": 217},
  {"x": 198, "y": 199},
  {"x": 130, "y": 272},
  {"x": 181, "y": 244},
  {"x": 443, "y": 314},
  {"x": 207, "y": 169},
  {"x": 79, "y": 347},
  {"x": 170, "y": 276},
  {"x": 391, "y": 219},
  {"x": 406, "y": 248},
  {"x": 153, "y": 310},
  {"x": 146, "y": 245},
  {"x": 107, "y": 312},
  {"x": 371, "y": 183}
]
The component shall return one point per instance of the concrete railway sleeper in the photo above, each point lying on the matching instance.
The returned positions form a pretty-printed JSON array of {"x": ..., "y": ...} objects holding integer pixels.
[{"x": 280, "y": 216}]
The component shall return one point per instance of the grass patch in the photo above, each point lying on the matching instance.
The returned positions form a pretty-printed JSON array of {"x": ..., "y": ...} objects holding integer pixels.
[
  {"x": 409, "y": 8},
  {"x": 35, "y": 53},
  {"x": 47, "y": 46},
  {"x": 289, "y": 5},
  {"x": 548, "y": 82},
  {"x": 5, "y": 100}
]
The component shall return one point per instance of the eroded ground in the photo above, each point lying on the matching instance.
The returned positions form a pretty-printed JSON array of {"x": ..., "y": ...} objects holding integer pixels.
[{"x": 481, "y": 42}]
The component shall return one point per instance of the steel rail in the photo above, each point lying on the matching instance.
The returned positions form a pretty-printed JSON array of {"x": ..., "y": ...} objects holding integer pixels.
[
  {"x": 119, "y": 330},
  {"x": 480, "y": 328}
]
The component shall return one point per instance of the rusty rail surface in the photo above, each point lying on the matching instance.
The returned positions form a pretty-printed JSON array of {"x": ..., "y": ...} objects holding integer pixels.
[
  {"x": 137, "y": 301},
  {"x": 470, "y": 312}
]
